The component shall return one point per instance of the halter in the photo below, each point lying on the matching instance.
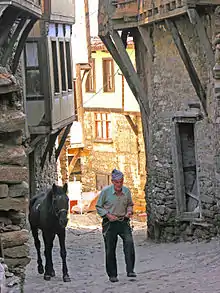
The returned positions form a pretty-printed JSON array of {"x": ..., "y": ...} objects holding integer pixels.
[{"x": 58, "y": 212}]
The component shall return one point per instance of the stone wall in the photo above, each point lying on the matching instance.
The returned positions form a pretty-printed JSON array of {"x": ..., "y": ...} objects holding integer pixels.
[
  {"x": 45, "y": 177},
  {"x": 125, "y": 152},
  {"x": 171, "y": 96},
  {"x": 13, "y": 176}
]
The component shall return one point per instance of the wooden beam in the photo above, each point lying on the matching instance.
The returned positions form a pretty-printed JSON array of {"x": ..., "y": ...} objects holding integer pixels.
[
  {"x": 63, "y": 139},
  {"x": 84, "y": 152},
  {"x": 145, "y": 34},
  {"x": 133, "y": 126},
  {"x": 88, "y": 35},
  {"x": 33, "y": 143},
  {"x": 21, "y": 44},
  {"x": 73, "y": 162},
  {"x": 79, "y": 97},
  {"x": 187, "y": 62},
  {"x": 203, "y": 37},
  {"x": 12, "y": 42},
  {"x": 49, "y": 148},
  {"x": 122, "y": 58}
]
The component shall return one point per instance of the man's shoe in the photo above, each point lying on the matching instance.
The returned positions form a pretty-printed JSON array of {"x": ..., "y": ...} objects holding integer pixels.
[
  {"x": 131, "y": 275},
  {"x": 113, "y": 279}
]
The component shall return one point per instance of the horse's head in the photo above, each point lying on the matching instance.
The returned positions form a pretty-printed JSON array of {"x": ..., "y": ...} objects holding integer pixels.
[{"x": 60, "y": 203}]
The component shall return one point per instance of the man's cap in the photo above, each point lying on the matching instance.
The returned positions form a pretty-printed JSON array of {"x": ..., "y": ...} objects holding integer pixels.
[{"x": 117, "y": 175}]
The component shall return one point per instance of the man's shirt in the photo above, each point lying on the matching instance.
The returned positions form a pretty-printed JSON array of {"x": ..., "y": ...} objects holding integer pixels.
[{"x": 117, "y": 205}]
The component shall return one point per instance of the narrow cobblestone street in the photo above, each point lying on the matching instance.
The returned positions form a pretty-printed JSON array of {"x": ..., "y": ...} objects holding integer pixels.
[{"x": 167, "y": 268}]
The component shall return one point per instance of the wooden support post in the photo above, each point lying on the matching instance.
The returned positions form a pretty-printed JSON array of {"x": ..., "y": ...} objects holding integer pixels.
[
  {"x": 79, "y": 98},
  {"x": 122, "y": 58},
  {"x": 12, "y": 42},
  {"x": 49, "y": 147},
  {"x": 88, "y": 35},
  {"x": 133, "y": 126},
  {"x": 145, "y": 34},
  {"x": 187, "y": 62},
  {"x": 21, "y": 43},
  {"x": 203, "y": 37},
  {"x": 63, "y": 139},
  {"x": 73, "y": 161}
]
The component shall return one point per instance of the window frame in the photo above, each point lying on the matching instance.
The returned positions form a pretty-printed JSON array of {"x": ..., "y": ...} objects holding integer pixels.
[
  {"x": 37, "y": 96},
  {"x": 105, "y": 125},
  {"x": 106, "y": 88},
  {"x": 67, "y": 65},
  {"x": 91, "y": 76}
]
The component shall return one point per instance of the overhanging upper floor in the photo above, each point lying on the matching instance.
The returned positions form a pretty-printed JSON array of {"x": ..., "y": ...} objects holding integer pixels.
[{"x": 131, "y": 13}]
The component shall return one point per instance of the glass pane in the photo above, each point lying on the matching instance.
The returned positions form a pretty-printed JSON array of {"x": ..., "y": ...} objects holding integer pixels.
[
  {"x": 63, "y": 68},
  {"x": 31, "y": 55},
  {"x": 33, "y": 82},
  {"x": 69, "y": 68},
  {"x": 99, "y": 129},
  {"x": 104, "y": 131},
  {"x": 55, "y": 67},
  {"x": 109, "y": 130}
]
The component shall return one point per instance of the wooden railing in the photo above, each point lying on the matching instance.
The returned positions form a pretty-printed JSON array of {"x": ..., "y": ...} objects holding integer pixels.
[{"x": 153, "y": 8}]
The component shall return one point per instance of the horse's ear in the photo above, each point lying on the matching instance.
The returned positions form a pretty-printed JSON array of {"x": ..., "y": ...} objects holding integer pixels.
[
  {"x": 54, "y": 188},
  {"x": 65, "y": 187}
]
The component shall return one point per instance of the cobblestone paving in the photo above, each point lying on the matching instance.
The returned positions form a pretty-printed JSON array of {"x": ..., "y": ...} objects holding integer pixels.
[{"x": 167, "y": 268}]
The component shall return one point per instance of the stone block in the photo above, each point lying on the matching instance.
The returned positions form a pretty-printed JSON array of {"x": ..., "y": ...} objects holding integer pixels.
[
  {"x": 17, "y": 204},
  {"x": 3, "y": 190},
  {"x": 15, "y": 262},
  {"x": 17, "y": 251},
  {"x": 13, "y": 155},
  {"x": 19, "y": 190},
  {"x": 13, "y": 174},
  {"x": 11, "y": 121},
  {"x": 15, "y": 238}
]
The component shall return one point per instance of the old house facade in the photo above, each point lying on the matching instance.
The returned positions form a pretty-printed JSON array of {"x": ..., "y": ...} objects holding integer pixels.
[
  {"x": 49, "y": 90},
  {"x": 37, "y": 105},
  {"x": 112, "y": 126},
  {"x": 176, "y": 86},
  {"x": 16, "y": 21}
]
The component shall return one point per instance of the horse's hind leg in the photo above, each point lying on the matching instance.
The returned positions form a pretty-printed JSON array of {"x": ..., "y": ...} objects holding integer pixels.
[
  {"x": 48, "y": 243},
  {"x": 40, "y": 267},
  {"x": 62, "y": 236}
]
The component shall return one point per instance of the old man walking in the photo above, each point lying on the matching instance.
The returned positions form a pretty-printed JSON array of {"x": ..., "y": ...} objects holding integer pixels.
[{"x": 115, "y": 206}]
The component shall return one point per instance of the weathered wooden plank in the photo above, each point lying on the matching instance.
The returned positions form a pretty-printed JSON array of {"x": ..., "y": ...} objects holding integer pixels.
[
  {"x": 21, "y": 43},
  {"x": 63, "y": 139},
  {"x": 73, "y": 161},
  {"x": 12, "y": 42},
  {"x": 131, "y": 74},
  {"x": 145, "y": 34},
  {"x": 187, "y": 62},
  {"x": 131, "y": 123},
  {"x": 203, "y": 37}
]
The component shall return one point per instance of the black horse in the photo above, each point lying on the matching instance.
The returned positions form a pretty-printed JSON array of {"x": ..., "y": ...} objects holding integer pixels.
[{"x": 48, "y": 212}]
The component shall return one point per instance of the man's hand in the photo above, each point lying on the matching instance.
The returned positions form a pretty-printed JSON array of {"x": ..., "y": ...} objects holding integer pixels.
[
  {"x": 111, "y": 217},
  {"x": 128, "y": 215}
]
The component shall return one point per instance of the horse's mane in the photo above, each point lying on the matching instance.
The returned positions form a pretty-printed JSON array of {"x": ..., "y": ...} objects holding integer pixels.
[{"x": 48, "y": 194}]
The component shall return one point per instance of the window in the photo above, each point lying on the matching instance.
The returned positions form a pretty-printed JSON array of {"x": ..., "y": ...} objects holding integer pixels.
[
  {"x": 62, "y": 46},
  {"x": 33, "y": 78},
  {"x": 102, "y": 180},
  {"x": 90, "y": 81},
  {"x": 108, "y": 75},
  {"x": 103, "y": 127}
]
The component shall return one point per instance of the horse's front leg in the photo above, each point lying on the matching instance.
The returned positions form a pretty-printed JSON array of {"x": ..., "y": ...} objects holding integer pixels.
[
  {"x": 62, "y": 236},
  {"x": 48, "y": 237},
  {"x": 40, "y": 267}
]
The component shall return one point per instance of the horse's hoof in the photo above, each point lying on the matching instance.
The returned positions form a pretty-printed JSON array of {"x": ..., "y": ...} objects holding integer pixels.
[
  {"x": 66, "y": 278},
  {"x": 52, "y": 273},
  {"x": 47, "y": 277},
  {"x": 40, "y": 270}
]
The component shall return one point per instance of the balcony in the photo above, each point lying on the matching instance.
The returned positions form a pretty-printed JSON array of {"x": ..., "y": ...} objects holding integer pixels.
[
  {"x": 130, "y": 13},
  {"x": 60, "y": 11},
  {"x": 32, "y": 7}
]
